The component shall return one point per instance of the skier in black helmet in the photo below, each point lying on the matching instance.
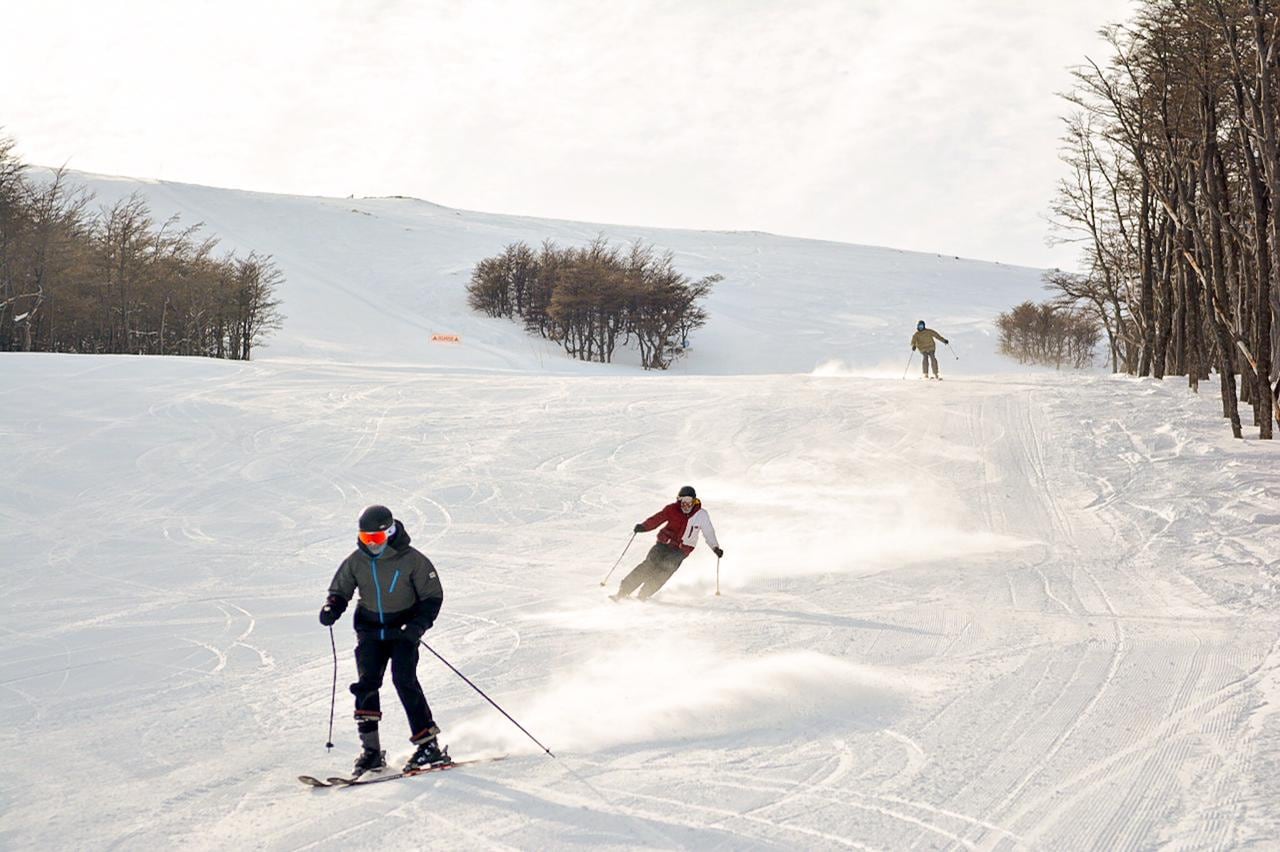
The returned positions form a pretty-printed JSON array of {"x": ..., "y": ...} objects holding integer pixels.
[
  {"x": 400, "y": 597},
  {"x": 683, "y": 520},
  {"x": 923, "y": 340}
]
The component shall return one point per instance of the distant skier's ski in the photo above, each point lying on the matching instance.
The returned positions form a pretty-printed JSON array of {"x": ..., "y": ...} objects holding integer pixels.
[{"x": 378, "y": 778}]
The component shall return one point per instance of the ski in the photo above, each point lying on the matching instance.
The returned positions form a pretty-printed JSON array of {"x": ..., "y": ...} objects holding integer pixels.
[
  {"x": 312, "y": 781},
  {"x": 359, "y": 781}
]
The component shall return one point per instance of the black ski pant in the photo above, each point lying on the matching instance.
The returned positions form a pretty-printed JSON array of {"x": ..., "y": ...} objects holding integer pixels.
[
  {"x": 372, "y": 656},
  {"x": 925, "y": 359},
  {"x": 650, "y": 575}
]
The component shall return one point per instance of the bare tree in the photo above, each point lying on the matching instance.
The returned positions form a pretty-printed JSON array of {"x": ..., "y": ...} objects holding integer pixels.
[
  {"x": 593, "y": 298},
  {"x": 1048, "y": 334},
  {"x": 115, "y": 281},
  {"x": 1174, "y": 168}
]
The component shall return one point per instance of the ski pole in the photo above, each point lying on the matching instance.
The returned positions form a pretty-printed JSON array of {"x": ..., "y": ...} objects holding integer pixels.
[
  {"x": 333, "y": 699},
  {"x": 717, "y": 576},
  {"x": 620, "y": 555},
  {"x": 485, "y": 697},
  {"x": 953, "y": 352},
  {"x": 910, "y": 358}
]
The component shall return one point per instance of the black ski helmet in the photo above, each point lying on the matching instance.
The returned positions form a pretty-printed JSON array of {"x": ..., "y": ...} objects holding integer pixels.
[
  {"x": 375, "y": 519},
  {"x": 920, "y": 325},
  {"x": 687, "y": 491}
]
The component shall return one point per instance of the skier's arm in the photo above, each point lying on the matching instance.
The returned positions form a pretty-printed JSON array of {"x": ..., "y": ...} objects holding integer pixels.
[
  {"x": 340, "y": 592},
  {"x": 426, "y": 584},
  {"x": 939, "y": 336},
  {"x": 709, "y": 531},
  {"x": 344, "y": 582},
  {"x": 653, "y": 521}
]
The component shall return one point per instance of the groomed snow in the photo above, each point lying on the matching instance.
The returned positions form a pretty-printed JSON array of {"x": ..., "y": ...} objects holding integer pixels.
[{"x": 1015, "y": 609}]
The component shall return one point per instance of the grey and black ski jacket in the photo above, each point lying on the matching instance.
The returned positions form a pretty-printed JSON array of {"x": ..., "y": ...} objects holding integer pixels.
[{"x": 398, "y": 587}]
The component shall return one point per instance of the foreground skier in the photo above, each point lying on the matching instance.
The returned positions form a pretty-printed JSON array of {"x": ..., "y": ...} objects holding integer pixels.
[
  {"x": 923, "y": 340},
  {"x": 683, "y": 519},
  {"x": 400, "y": 597}
]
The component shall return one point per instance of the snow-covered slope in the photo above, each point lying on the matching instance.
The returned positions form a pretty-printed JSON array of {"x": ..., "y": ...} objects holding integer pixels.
[
  {"x": 400, "y": 266},
  {"x": 1021, "y": 610}
]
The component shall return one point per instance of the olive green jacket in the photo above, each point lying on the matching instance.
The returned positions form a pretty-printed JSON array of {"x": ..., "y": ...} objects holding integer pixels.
[{"x": 923, "y": 340}]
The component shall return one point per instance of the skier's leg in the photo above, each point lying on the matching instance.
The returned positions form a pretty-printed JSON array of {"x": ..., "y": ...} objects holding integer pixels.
[
  {"x": 640, "y": 573},
  {"x": 924, "y": 363},
  {"x": 933, "y": 356},
  {"x": 634, "y": 578},
  {"x": 372, "y": 655},
  {"x": 404, "y": 675},
  {"x": 662, "y": 573},
  {"x": 371, "y": 664},
  {"x": 423, "y": 731},
  {"x": 656, "y": 580}
]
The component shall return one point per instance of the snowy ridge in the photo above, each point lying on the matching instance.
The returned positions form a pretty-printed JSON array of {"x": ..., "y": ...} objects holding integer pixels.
[
  {"x": 1004, "y": 611},
  {"x": 400, "y": 266}
]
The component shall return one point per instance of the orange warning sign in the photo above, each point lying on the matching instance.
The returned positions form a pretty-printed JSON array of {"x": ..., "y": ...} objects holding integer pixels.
[{"x": 445, "y": 338}]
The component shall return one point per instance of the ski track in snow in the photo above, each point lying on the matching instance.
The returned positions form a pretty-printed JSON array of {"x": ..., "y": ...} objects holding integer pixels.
[{"x": 977, "y": 615}]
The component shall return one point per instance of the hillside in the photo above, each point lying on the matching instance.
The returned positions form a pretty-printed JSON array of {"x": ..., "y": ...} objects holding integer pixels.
[
  {"x": 1014, "y": 609},
  {"x": 400, "y": 266}
]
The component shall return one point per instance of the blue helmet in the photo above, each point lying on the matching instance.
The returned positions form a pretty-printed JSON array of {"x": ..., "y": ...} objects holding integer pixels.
[{"x": 920, "y": 326}]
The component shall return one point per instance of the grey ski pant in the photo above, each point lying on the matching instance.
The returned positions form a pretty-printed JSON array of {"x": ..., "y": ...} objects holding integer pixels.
[
  {"x": 650, "y": 575},
  {"x": 925, "y": 358}
]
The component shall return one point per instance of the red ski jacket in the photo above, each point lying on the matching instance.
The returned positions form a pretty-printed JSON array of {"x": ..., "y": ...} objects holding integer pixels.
[{"x": 681, "y": 530}]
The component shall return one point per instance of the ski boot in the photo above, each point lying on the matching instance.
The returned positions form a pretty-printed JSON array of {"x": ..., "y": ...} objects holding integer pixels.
[
  {"x": 428, "y": 756},
  {"x": 370, "y": 760}
]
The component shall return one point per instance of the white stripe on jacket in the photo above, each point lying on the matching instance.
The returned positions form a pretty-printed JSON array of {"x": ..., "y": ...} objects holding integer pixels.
[{"x": 700, "y": 520}]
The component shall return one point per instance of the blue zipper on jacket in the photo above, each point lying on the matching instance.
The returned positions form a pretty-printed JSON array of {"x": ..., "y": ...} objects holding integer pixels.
[
  {"x": 394, "y": 578},
  {"x": 382, "y": 631}
]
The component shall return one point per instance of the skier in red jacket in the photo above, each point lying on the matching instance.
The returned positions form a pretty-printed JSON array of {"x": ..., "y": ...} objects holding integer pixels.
[{"x": 683, "y": 519}]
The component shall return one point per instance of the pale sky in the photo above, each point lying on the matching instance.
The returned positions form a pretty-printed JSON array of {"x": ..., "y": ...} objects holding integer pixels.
[{"x": 929, "y": 125}]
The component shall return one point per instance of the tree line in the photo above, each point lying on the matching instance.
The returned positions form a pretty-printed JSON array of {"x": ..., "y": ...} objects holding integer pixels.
[
  {"x": 1048, "y": 334},
  {"x": 1173, "y": 156},
  {"x": 592, "y": 299},
  {"x": 114, "y": 280}
]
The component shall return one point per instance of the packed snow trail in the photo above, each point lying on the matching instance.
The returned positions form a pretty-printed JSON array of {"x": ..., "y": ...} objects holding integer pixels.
[{"x": 991, "y": 613}]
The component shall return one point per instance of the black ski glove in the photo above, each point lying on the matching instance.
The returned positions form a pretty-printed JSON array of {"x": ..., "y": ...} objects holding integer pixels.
[
  {"x": 333, "y": 608},
  {"x": 948, "y": 342},
  {"x": 913, "y": 349},
  {"x": 718, "y": 551},
  {"x": 412, "y": 632},
  {"x": 639, "y": 528}
]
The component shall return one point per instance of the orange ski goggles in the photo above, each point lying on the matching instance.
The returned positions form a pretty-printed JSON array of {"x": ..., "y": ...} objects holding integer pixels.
[{"x": 377, "y": 538}]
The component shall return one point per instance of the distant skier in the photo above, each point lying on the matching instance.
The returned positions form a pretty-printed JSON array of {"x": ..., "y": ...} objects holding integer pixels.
[
  {"x": 676, "y": 540},
  {"x": 400, "y": 597},
  {"x": 923, "y": 340}
]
